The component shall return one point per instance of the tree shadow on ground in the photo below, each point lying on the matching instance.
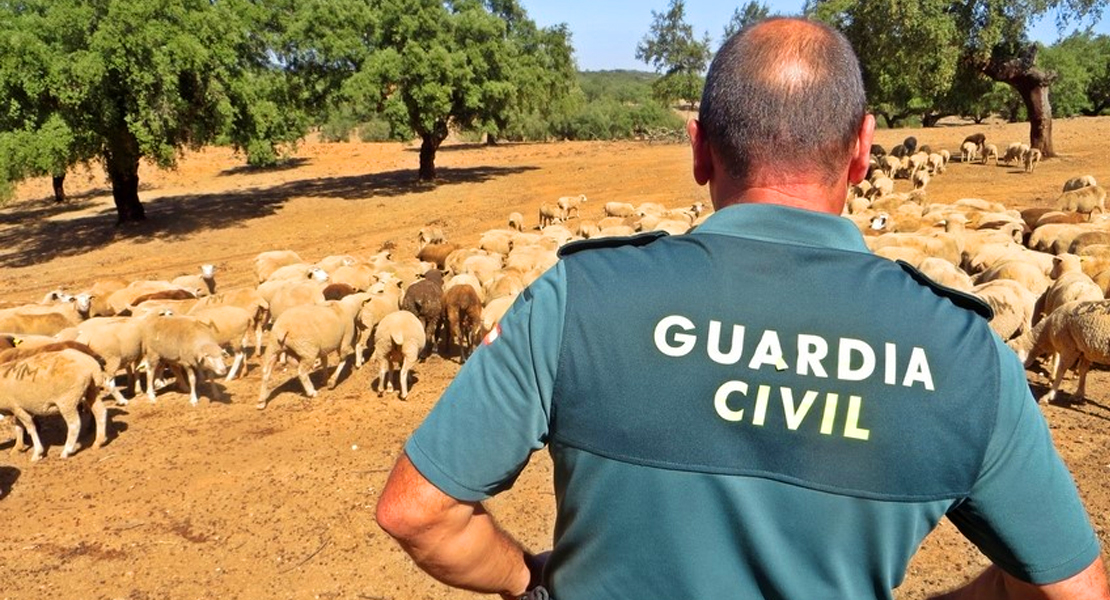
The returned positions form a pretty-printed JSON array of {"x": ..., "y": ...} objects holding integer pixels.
[
  {"x": 285, "y": 165},
  {"x": 43, "y": 232}
]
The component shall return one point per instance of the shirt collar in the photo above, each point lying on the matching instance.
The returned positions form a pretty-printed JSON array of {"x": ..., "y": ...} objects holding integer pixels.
[{"x": 783, "y": 224}]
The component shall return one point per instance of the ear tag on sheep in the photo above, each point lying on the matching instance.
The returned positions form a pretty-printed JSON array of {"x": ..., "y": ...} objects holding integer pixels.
[{"x": 492, "y": 336}]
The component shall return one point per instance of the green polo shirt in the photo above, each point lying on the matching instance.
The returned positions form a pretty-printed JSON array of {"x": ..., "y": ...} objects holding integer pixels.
[{"x": 690, "y": 464}]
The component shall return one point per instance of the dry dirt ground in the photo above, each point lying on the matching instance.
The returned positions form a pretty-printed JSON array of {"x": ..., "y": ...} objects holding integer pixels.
[{"x": 224, "y": 501}]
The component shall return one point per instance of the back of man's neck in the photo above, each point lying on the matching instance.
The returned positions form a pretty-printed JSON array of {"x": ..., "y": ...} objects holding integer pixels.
[{"x": 805, "y": 196}]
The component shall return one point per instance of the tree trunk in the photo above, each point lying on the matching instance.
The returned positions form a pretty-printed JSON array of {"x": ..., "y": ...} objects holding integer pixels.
[
  {"x": 59, "y": 187},
  {"x": 123, "y": 170},
  {"x": 1032, "y": 84},
  {"x": 429, "y": 143},
  {"x": 931, "y": 119}
]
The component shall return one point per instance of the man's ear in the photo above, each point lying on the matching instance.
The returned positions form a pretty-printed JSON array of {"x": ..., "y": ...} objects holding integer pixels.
[
  {"x": 861, "y": 158},
  {"x": 703, "y": 159}
]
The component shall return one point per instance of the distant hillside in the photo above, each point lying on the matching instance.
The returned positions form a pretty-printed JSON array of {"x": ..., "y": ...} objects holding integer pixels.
[{"x": 621, "y": 85}]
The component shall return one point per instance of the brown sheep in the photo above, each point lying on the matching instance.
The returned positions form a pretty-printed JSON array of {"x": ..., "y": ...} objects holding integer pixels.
[
  {"x": 338, "y": 291},
  {"x": 464, "y": 316},
  {"x": 425, "y": 300},
  {"x": 436, "y": 253}
]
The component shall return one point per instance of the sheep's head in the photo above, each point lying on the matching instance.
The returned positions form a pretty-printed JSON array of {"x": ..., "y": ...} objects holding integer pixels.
[
  {"x": 207, "y": 271},
  {"x": 213, "y": 358},
  {"x": 83, "y": 302},
  {"x": 318, "y": 274}
]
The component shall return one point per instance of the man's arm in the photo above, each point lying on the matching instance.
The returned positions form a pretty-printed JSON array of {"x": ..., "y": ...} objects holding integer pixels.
[
  {"x": 456, "y": 542},
  {"x": 994, "y": 583}
]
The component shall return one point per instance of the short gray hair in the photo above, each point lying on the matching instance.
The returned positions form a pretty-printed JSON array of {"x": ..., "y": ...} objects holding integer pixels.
[{"x": 783, "y": 96}]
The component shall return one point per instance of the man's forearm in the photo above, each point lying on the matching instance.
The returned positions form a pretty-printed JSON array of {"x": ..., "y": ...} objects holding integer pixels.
[
  {"x": 994, "y": 583},
  {"x": 456, "y": 542},
  {"x": 478, "y": 556}
]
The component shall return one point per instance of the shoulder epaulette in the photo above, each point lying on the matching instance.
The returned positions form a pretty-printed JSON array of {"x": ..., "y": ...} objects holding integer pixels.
[
  {"x": 641, "y": 239},
  {"x": 961, "y": 299}
]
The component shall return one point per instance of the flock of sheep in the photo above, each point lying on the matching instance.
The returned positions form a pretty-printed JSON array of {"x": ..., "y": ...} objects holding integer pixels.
[{"x": 1045, "y": 272}]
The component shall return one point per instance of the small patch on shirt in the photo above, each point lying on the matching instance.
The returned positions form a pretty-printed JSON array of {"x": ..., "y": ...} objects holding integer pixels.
[{"x": 492, "y": 336}]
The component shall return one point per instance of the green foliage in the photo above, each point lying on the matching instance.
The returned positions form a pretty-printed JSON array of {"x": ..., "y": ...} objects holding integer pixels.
[
  {"x": 672, "y": 50},
  {"x": 375, "y": 130},
  {"x": 751, "y": 12},
  {"x": 623, "y": 86},
  {"x": 120, "y": 80},
  {"x": 1069, "y": 92}
]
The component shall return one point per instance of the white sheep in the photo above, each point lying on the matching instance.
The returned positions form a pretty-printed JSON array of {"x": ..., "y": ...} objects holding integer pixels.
[
  {"x": 1014, "y": 152},
  {"x": 52, "y": 383},
  {"x": 247, "y": 299},
  {"x": 309, "y": 333},
  {"x": 430, "y": 234},
  {"x": 990, "y": 151},
  {"x": 1084, "y": 200},
  {"x": 969, "y": 151},
  {"x": 1078, "y": 182},
  {"x": 121, "y": 300},
  {"x": 329, "y": 264},
  {"x": 550, "y": 214},
  {"x": 371, "y": 313},
  {"x": 1013, "y": 306},
  {"x": 231, "y": 326},
  {"x": 516, "y": 221},
  {"x": 118, "y": 340},
  {"x": 1081, "y": 336},
  {"x": 920, "y": 179},
  {"x": 570, "y": 204},
  {"x": 618, "y": 209},
  {"x": 267, "y": 262},
  {"x": 1030, "y": 159},
  {"x": 185, "y": 344},
  {"x": 398, "y": 338},
  {"x": 204, "y": 284}
]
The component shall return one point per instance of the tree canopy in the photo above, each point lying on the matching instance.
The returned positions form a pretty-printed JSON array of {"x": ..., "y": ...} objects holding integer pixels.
[
  {"x": 936, "y": 54},
  {"x": 751, "y": 12},
  {"x": 118, "y": 81},
  {"x": 671, "y": 48}
]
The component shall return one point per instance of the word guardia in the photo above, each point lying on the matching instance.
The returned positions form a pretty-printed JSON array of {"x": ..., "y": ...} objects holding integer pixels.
[{"x": 677, "y": 336}]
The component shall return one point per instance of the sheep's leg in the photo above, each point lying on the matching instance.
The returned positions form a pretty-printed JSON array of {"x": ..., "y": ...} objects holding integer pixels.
[
  {"x": 213, "y": 389},
  {"x": 381, "y": 377},
  {"x": 239, "y": 356},
  {"x": 338, "y": 370},
  {"x": 73, "y": 429},
  {"x": 1081, "y": 391},
  {"x": 151, "y": 368},
  {"x": 17, "y": 433},
  {"x": 191, "y": 374},
  {"x": 100, "y": 416},
  {"x": 113, "y": 391},
  {"x": 28, "y": 421},
  {"x": 1067, "y": 360},
  {"x": 268, "y": 362},
  {"x": 404, "y": 377},
  {"x": 360, "y": 346},
  {"x": 304, "y": 369}
]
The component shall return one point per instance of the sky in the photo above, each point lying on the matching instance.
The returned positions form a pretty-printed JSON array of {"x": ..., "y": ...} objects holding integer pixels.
[{"x": 605, "y": 33}]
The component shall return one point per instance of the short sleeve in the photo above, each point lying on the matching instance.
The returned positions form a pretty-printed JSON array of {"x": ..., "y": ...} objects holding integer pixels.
[
  {"x": 481, "y": 432},
  {"x": 1024, "y": 512}
]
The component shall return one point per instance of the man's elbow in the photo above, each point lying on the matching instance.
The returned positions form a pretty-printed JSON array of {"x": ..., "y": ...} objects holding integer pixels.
[{"x": 399, "y": 519}]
